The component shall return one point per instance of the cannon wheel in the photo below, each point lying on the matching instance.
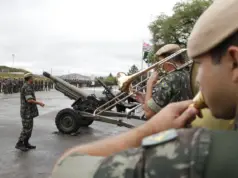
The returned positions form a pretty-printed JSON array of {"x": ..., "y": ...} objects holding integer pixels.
[
  {"x": 85, "y": 122},
  {"x": 67, "y": 121}
]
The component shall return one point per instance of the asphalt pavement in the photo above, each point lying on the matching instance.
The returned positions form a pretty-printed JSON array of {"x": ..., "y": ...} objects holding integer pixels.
[{"x": 50, "y": 144}]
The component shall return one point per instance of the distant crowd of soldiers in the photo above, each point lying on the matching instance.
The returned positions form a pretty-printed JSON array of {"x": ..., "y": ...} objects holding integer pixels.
[{"x": 13, "y": 85}]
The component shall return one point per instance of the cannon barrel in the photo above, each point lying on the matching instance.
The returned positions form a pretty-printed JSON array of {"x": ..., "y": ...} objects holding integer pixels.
[
  {"x": 106, "y": 87},
  {"x": 67, "y": 89}
]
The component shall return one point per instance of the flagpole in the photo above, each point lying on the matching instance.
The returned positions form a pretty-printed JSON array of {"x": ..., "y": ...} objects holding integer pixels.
[
  {"x": 141, "y": 78},
  {"x": 146, "y": 48}
]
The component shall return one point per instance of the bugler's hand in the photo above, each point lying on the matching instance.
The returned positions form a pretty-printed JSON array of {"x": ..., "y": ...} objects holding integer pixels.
[
  {"x": 153, "y": 78},
  {"x": 175, "y": 115},
  {"x": 140, "y": 97}
]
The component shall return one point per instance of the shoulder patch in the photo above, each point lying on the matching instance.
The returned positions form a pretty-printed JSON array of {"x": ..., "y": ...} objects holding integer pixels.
[{"x": 159, "y": 138}]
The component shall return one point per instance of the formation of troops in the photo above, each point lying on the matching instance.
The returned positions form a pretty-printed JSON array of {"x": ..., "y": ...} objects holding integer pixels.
[{"x": 13, "y": 85}]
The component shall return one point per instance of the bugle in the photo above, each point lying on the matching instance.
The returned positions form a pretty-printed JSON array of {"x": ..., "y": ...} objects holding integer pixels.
[{"x": 125, "y": 81}]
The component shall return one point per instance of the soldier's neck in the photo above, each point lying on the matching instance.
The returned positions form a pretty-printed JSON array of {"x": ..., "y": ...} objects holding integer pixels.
[{"x": 236, "y": 119}]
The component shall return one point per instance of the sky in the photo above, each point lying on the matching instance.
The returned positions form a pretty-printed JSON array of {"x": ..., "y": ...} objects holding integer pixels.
[{"x": 89, "y": 37}]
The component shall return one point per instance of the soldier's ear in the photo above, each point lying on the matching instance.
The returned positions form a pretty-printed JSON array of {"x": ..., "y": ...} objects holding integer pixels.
[
  {"x": 232, "y": 53},
  {"x": 169, "y": 66}
]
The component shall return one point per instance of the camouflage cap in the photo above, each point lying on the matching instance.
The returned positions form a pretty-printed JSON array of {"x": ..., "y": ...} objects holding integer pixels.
[
  {"x": 217, "y": 23},
  {"x": 28, "y": 75},
  {"x": 167, "y": 49}
]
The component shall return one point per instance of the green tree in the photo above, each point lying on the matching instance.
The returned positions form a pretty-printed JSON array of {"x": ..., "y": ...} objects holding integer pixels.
[
  {"x": 176, "y": 28},
  {"x": 133, "y": 69},
  {"x": 110, "y": 80}
]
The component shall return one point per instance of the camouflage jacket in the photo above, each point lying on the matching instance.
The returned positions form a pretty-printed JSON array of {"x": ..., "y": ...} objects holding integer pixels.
[
  {"x": 28, "y": 110},
  {"x": 172, "y": 88},
  {"x": 187, "y": 153}
]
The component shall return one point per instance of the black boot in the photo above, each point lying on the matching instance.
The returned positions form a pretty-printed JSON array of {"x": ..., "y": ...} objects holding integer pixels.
[
  {"x": 28, "y": 145},
  {"x": 21, "y": 146}
]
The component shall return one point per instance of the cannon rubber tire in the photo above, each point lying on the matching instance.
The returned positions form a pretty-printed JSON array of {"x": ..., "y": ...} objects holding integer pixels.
[
  {"x": 72, "y": 116},
  {"x": 85, "y": 122}
]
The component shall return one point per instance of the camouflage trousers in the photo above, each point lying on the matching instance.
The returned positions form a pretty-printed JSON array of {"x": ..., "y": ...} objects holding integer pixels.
[{"x": 27, "y": 126}]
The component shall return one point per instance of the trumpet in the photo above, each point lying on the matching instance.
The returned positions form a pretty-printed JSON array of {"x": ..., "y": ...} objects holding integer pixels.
[
  {"x": 198, "y": 101},
  {"x": 125, "y": 82}
]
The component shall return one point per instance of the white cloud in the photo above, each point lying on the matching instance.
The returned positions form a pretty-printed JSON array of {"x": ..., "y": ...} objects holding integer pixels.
[{"x": 87, "y": 37}]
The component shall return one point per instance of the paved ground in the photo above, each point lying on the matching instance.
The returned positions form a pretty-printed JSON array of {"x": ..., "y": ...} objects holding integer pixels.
[{"x": 38, "y": 163}]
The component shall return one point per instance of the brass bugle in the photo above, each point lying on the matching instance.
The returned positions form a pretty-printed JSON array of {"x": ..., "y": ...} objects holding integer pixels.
[
  {"x": 198, "y": 101},
  {"x": 124, "y": 82}
]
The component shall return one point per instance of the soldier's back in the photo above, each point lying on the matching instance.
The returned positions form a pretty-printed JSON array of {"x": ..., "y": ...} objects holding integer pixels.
[{"x": 173, "y": 87}]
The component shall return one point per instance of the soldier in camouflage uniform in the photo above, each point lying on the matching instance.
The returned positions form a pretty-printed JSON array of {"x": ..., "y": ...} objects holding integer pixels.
[
  {"x": 1, "y": 83},
  {"x": 35, "y": 85},
  {"x": 42, "y": 85},
  {"x": 172, "y": 88},
  {"x": 4, "y": 86},
  {"x": 14, "y": 86},
  {"x": 21, "y": 81},
  {"x": 28, "y": 111},
  {"x": 10, "y": 85},
  {"x": 49, "y": 85},
  {"x": 45, "y": 88},
  {"x": 190, "y": 153}
]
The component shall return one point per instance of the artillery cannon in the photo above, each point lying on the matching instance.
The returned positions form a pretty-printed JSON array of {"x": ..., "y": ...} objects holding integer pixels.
[{"x": 69, "y": 120}]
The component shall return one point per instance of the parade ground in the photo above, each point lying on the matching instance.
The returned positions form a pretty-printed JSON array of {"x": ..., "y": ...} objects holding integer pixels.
[{"x": 49, "y": 143}]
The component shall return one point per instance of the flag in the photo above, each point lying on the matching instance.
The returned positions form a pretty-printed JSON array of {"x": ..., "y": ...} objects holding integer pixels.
[{"x": 146, "y": 47}]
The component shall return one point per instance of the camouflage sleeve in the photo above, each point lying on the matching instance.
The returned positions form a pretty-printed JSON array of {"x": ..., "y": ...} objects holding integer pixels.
[
  {"x": 161, "y": 96},
  {"x": 28, "y": 93},
  {"x": 153, "y": 105}
]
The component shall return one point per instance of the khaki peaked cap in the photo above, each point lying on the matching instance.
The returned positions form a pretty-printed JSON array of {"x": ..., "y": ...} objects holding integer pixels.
[
  {"x": 28, "y": 75},
  {"x": 167, "y": 49},
  {"x": 217, "y": 23}
]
